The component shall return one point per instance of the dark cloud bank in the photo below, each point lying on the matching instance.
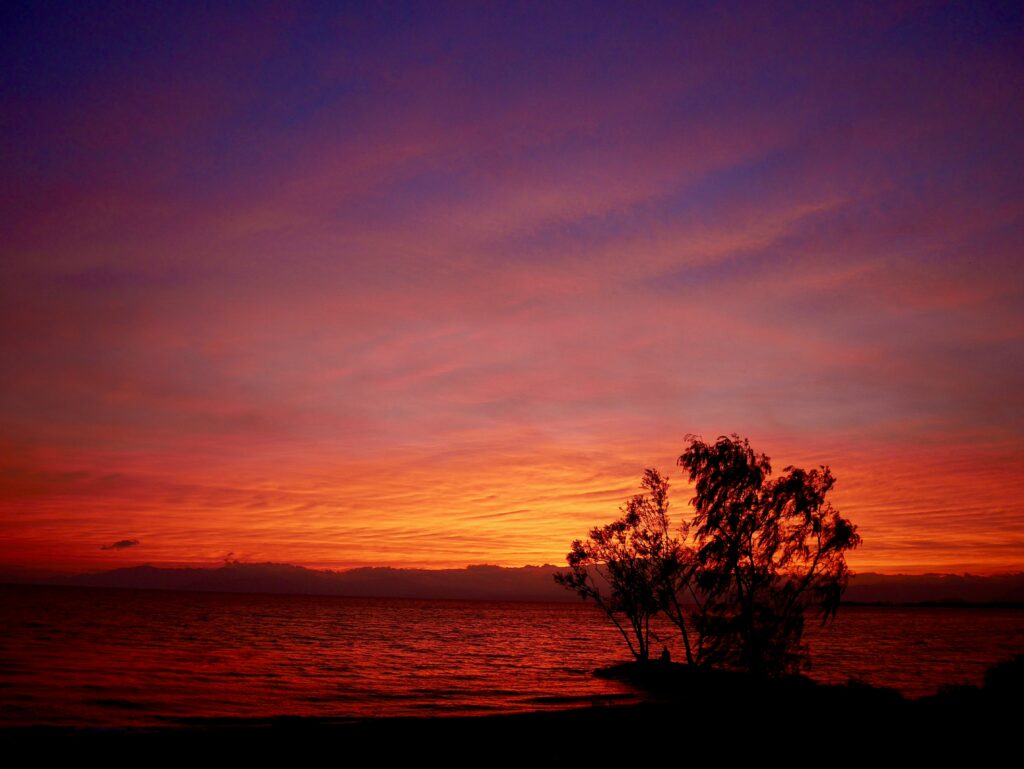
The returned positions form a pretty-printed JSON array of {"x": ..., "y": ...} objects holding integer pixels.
[
  {"x": 121, "y": 544},
  {"x": 528, "y": 583}
]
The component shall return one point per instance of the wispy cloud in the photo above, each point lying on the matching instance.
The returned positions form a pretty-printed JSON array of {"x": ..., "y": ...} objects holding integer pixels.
[
  {"x": 121, "y": 544},
  {"x": 341, "y": 292}
]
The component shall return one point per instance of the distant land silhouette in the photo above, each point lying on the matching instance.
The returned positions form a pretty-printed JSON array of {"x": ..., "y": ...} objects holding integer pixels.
[{"x": 484, "y": 582}]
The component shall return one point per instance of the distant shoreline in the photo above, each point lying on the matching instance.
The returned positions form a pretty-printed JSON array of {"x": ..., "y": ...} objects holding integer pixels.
[{"x": 496, "y": 583}]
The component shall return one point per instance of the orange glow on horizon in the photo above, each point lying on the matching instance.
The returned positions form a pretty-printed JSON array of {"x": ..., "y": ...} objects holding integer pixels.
[{"x": 424, "y": 510}]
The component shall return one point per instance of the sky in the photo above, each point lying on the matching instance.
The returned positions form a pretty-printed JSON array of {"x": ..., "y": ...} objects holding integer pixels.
[{"x": 430, "y": 285}]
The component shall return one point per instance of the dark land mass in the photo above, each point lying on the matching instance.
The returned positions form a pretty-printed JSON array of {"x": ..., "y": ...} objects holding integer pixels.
[
  {"x": 707, "y": 714},
  {"x": 527, "y": 583},
  {"x": 953, "y": 589}
]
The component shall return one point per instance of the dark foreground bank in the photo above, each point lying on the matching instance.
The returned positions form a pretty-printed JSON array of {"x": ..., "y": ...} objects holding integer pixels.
[{"x": 702, "y": 713}]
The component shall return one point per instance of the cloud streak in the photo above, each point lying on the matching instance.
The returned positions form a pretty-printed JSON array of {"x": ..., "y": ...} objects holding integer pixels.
[
  {"x": 121, "y": 544},
  {"x": 357, "y": 289}
]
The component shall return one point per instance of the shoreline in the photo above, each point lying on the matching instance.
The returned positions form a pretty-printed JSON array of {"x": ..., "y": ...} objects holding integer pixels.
[
  {"x": 599, "y": 732},
  {"x": 718, "y": 706}
]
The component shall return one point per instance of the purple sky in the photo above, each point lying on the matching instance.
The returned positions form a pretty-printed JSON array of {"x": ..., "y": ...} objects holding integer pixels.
[{"x": 432, "y": 286}]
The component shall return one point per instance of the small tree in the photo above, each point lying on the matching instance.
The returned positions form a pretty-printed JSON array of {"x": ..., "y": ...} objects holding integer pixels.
[
  {"x": 765, "y": 552},
  {"x": 624, "y": 566},
  {"x": 669, "y": 562}
]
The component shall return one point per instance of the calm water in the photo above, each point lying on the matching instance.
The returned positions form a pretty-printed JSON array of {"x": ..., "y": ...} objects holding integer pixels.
[{"x": 105, "y": 657}]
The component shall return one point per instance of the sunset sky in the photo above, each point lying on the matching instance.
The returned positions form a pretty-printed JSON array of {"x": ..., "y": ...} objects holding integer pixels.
[{"x": 339, "y": 285}]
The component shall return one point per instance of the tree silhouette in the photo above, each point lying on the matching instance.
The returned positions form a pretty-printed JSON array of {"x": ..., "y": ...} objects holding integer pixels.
[
  {"x": 621, "y": 566},
  {"x": 739, "y": 578},
  {"x": 765, "y": 552}
]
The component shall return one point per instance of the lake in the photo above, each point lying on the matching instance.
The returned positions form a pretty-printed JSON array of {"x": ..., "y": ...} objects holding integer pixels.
[{"x": 105, "y": 657}]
